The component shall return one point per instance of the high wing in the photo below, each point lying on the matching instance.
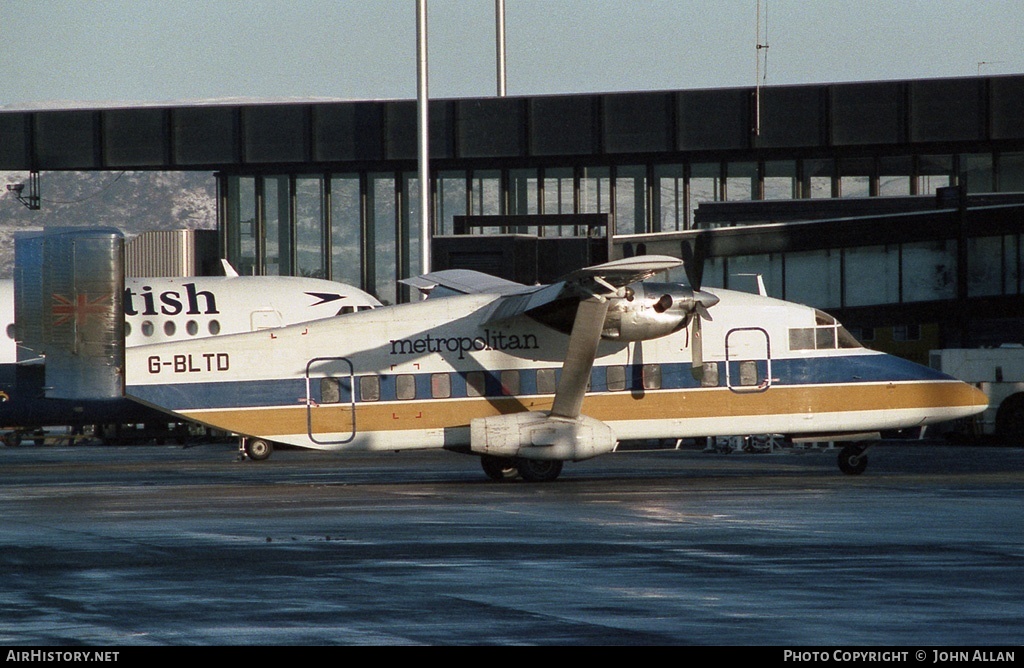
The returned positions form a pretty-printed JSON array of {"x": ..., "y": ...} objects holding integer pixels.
[{"x": 587, "y": 290}]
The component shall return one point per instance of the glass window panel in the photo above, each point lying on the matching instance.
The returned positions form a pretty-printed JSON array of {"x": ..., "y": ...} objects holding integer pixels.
[
  {"x": 741, "y": 183},
  {"x": 523, "y": 192},
  {"x": 369, "y": 388},
  {"x": 476, "y": 384},
  {"x": 510, "y": 382},
  {"x": 705, "y": 185},
  {"x": 984, "y": 266},
  {"x": 855, "y": 177},
  {"x": 894, "y": 176},
  {"x": 814, "y": 278},
  {"x": 440, "y": 385},
  {"x": 825, "y": 338},
  {"x": 743, "y": 271},
  {"x": 615, "y": 378},
  {"x": 276, "y": 226},
  {"x": 710, "y": 376},
  {"x": 669, "y": 199},
  {"x": 929, "y": 270},
  {"x": 872, "y": 275},
  {"x": 780, "y": 179},
  {"x": 801, "y": 338},
  {"x": 935, "y": 171},
  {"x": 411, "y": 231},
  {"x": 546, "y": 383},
  {"x": 976, "y": 172},
  {"x": 405, "y": 386},
  {"x": 1011, "y": 172},
  {"x": 346, "y": 230},
  {"x": 1012, "y": 251},
  {"x": 631, "y": 200},
  {"x": 652, "y": 376},
  {"x": 309, "y": 240},
  {"x": 558, "y": 197},
  {"x": 451, "y": 200},
  {"x": 595, "y": 190},
  {"x": 383, "y": 214},
  {"x": 330, "y": 391},
  {"x": 242, "y": 224},
  {"x": 817, "y": 180}
]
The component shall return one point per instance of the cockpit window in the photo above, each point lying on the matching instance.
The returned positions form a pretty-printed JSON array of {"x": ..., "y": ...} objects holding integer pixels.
[{"x": 828, "y": 334}]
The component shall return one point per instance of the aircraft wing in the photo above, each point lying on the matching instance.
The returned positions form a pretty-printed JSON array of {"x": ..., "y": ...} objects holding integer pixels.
[{"x": 464, "y": 282}]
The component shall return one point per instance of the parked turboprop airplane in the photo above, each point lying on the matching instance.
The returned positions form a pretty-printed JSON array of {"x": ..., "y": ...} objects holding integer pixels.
[
  {"x": 529, "y": 377},
  {"x": 161, "y": 310}
]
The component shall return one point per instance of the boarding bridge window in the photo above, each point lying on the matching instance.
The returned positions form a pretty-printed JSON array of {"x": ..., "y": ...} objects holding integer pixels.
[
  {"x": 440, "y": 386},
  {"x": 546, "y": 381},
  {"x": 709, "y": 377},
  {"x": 476, "y": 384},
  {"x": 369, "y": 388},
  {"x": 405, "y": 387},
  {"x": 652, "y": 376},
  {"x": 510, "y": 382},
  {"x": 615, "y": 378}
]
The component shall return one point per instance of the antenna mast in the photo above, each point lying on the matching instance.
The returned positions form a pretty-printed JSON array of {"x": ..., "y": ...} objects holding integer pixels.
[{"x": 759, "y": 47}]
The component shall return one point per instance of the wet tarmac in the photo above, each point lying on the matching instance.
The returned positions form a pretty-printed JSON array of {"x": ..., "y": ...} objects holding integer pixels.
[{"x": 164, "y": 545}]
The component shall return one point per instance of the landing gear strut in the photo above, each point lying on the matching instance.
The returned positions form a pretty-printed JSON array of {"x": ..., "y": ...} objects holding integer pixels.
[
  {"x": 852, "y": 460},
  {"x": 256, "y": 449}
]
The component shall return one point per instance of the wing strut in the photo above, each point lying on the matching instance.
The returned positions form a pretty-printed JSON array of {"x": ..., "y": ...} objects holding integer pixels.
[{"x": 579, "y": 358}]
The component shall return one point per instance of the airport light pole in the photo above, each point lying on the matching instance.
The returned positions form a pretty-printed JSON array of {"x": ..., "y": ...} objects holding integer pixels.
[{"x": 423, "y": 133}]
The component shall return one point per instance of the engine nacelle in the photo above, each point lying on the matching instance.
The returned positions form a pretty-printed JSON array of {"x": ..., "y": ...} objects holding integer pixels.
[
  {"x": 536, "y": 435},
  {"x": 649, "y": 310}
]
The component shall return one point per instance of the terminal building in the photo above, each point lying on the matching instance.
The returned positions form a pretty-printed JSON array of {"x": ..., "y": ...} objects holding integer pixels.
[{"x": 890, "y": 204}]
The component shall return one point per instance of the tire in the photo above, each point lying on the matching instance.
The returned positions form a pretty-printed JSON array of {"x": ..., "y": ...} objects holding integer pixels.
[
  {"x": 12, "y": 439},
  {"x": 258, "y": 449},
  {"x": 1010, "y": 420},
  {"x": 539, "y": 470},
  {"x": 852, "y": 460},
  {"x": 499, "y": 468}
]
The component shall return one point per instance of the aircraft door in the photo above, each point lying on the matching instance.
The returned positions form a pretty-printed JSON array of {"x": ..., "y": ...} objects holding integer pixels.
[
  {"x": 265, "y": 319},
  {"x": 330, "y": 401},
  {"x": 748, "y": 359}
]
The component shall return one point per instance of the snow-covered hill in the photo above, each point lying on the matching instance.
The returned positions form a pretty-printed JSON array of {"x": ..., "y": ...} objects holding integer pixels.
[{"x": 133, "y": 202}]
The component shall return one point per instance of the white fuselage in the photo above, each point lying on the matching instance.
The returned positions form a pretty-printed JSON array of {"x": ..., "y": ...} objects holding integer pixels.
[{"x": 415, "y": 375}]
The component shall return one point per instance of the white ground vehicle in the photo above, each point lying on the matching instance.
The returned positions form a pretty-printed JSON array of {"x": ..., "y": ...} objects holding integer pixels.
[{"x": 999, "y": 373}]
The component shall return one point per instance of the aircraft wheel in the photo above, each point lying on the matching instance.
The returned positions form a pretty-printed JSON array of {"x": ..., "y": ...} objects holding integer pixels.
[
  {"x": 539, "y": 470},
  {"x": 12, "y": 439},
  {"x": 852, "y": 460},
  {"x": 499, "y": 468},
  {"x": 258, "y": 449}
]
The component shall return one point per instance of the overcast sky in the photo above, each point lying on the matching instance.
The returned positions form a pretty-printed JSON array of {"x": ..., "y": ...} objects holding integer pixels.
[{"x": 94, "y": 51}]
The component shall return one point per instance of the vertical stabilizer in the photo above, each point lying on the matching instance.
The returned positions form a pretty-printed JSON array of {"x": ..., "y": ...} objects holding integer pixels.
[{"x": 69, "y": 291}]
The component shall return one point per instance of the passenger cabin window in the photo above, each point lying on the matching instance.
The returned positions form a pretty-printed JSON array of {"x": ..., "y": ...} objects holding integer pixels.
[
  {"x": 615, "y": 378},
  {"x": 440, "y": 386},
  {"x": 369, "y": 388},
  {"x": 147, "y": 328},
  {"x": 748, "y": 373},
  {"x": 405, "y": 387},
  {"x": 546, "y": 381},
  {"x": 510, "y": 382},
  {"x": 476, "y": 384},
  {"x": 169, "y": 328},
  {"x": 330, "y": 390},
  {"x": 192, "y": 327},
  {"x": 652, "y": 376},
  {"x": 214, "y": 327},
  {"x": 710, "y": 377}
]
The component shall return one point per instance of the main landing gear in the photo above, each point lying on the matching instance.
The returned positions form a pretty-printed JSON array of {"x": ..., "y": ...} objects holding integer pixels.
[
  {"x": 530, "y": 470},
  {"x": 256, "y": 449},
  {"x": 852, "y": 458}
]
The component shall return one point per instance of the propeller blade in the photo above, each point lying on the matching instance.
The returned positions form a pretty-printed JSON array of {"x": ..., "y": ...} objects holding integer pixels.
[
  {"x": 696, "y": 348},
  {"x": 692, "y": 254}
]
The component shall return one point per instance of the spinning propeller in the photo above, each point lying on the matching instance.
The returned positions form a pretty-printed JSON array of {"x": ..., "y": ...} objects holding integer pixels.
[{"x": 693, "y": 262}]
